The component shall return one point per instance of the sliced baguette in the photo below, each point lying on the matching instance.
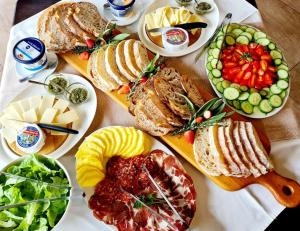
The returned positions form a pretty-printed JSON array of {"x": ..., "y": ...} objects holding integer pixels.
[
  {"x": 111, "y": 65},
  {"x": 121, "y": 62},
  {"x": 88, "y": 18},
  {"x": 192, "y": 91},
  {"x": 130, "y": 58},
  {"x": 202, "y": 153},
  {"x": 141, "y": 55}
]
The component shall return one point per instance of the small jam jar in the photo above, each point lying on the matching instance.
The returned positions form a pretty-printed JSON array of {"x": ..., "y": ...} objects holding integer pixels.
[{"x": 30, "y": 53}]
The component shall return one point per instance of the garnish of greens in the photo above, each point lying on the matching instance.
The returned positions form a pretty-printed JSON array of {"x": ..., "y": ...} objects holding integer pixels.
[
  {"x": 215, "y": 106},
  {"x": 40, "y": 216},
  {"x": 152, "y": 68},
  {"x": 107, "y": 37},
  {"x": 149, "y": 199},
  {"x": 57, "y": 85},
  {"x": 78, "y": 95}
]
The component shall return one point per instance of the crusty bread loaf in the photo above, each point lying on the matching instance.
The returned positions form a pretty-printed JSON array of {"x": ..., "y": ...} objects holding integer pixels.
[
  {"x": 192, "y": 91},
  {"x": 141, "y": 55},
  {"x": 121, "y": 62},
  {"x": 111, "y": 65},
  {"x": 130, "y": 58},
  {"x": 202, "y": 153},
  {"x": 87, "y": 16},
  {"x": 172, "y": 76}
]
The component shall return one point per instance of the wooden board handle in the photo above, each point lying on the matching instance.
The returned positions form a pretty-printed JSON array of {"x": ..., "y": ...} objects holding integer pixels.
[{"x": 285, "y": 190}]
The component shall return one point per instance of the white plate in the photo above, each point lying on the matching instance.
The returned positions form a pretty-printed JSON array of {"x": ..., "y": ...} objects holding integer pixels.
[
  {"x": 52, "y": 64},
  {"x": 86, "y": 112},
  {"x": 123, "y": 21},
  {"x": 253, "y": 115},
  {"x": 155, "y": 145},
  {"x": 212, "y": 20}
]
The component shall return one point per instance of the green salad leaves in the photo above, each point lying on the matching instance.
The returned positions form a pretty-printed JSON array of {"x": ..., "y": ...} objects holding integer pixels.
[{"x": 38, "y": 216}]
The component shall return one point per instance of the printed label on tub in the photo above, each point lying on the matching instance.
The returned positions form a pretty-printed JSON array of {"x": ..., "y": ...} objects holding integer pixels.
[{"x": 27, "y": 51}]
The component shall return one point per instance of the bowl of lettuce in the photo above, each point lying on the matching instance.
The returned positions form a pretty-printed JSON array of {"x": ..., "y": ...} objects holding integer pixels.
[{"x": 49, "y": 180}]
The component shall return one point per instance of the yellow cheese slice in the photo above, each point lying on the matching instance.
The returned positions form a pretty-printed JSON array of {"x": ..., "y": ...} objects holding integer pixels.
[
  {"x": 9, "y": 135},
  {"x": 12, "y": 113},
  {"x": 48, "y": 116},
  {"x": 24, "y": 105},
  {"x": 67, "y": 117},
  {"x": 30, "y": 116},
  {"x": 46, "y": 102},
  {"x": 35, "y": 101},
  {"x": 61, "y": 105}
]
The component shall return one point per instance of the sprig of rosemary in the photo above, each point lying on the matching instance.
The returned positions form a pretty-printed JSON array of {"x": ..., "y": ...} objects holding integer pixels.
[
  {"x": 104, "y": 39},
  {"x": 152, "y": 68},
  {"x": 215, "y": 105},
  {"x": 149, "y": 199}
]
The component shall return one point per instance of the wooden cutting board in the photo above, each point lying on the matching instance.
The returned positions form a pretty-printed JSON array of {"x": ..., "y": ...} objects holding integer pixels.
[{"x": 286, "y": 191}]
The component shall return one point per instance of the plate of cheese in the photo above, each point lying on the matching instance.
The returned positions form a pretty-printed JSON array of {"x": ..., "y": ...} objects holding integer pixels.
[
  {"x": 166, "y": 14},
  {"x": 21, "y": 134}
]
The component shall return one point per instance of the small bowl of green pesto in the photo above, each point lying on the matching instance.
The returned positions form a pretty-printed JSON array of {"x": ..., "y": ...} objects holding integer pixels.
[
  {"x": 202, "y": 7},
  {"x": 56, "y": 84},
  {"x": 77, "y": 93},
  {"x": 184, "y": 2}
]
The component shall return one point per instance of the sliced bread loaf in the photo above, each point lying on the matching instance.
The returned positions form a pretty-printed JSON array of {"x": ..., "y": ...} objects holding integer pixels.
[
  {"x": 121, "y": 62},
  {"x": 192, "y": 90},
  {"x": 130, "y": 58},
  {"x": 141, "y": 55}
]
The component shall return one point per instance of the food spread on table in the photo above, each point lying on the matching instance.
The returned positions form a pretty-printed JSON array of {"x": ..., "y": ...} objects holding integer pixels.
[
  {"x": 134, "y": 185},
  {"x": 33, "y": 178}
]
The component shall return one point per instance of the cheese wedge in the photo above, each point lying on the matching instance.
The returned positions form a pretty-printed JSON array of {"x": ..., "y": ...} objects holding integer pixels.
[
  {"x": 30, "y": 116},
  {"x": 12, "y": 113},
  {"x": 61, "y": 105},
  {"x": 35, "y": 101},
  {"x": 67, "y": 117},
  {"x": 24, "y": 105},
  {"x": 10, "y": 135},
  {"x": 48, "y": 116},
  {"x": 46, "y": 102}
]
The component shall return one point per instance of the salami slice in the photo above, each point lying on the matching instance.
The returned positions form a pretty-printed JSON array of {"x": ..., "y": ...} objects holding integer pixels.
[{"x": 112, "y": 204}]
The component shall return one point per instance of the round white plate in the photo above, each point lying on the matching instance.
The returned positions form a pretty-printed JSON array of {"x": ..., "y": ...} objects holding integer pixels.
[
  {"x": 52, "y": 64},
  {"x": 253, "y": 115},
  {"x": 85, "y": 111},
  {"x": 155, "y": 145},
  {"x": 211, "y": 18},
  {"x": 123, "y": 21}
]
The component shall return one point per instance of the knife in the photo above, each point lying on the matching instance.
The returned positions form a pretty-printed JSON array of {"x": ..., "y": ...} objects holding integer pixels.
[
  {"x": 163, "y": 195},
  {"x": 185, "y": 26}
]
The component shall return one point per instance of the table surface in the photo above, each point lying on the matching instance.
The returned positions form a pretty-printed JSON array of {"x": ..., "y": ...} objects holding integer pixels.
[{"x": 281, "y": 20}]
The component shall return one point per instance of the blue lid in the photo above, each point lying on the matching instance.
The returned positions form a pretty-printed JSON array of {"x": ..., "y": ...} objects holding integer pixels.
[
  {"x": 29, "y": 50},
  {"x": 120, "y": 7}
]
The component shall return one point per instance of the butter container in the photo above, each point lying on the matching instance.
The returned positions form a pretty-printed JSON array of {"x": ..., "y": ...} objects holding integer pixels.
[
  {"x": 30, "y": 53},
  {"x": 30, "y": 138},
  {"x": 175, "y": 38}
]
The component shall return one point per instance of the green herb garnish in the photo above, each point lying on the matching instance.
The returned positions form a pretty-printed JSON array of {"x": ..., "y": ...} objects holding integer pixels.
[
  {"x": 247, "y": 56},
  {"x": 149, "y": 200}
]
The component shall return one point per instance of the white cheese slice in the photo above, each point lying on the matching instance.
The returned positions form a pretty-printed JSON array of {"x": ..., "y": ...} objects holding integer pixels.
[
  {"x": 11, "y": 124},
  {"x": 30, "y": 116},
  {"x": 56, "y": 133},
  {"x": 35, "y": 101},
  {"x": 48, "y": 116},
  {"x": 24, "y": 105},
  {"x": 9, "y": 134},
  {"x": 61, "y": 105},
  {"x": 67, "y": 117},
  {"x": 12, "y": 113},
  {"x": 17, "y": 107},
  {"x": 46, "y": 102}
]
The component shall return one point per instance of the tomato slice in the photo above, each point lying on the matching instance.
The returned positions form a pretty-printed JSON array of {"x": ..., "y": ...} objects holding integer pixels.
[
  {"x": 266, "y": 57},
  {"x": 230, "y": 64},
  {"x": 234, "y": 70}
]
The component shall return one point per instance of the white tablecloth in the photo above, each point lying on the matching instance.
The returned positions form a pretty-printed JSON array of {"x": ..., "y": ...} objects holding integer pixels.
[{"x": 253, "y": 208}]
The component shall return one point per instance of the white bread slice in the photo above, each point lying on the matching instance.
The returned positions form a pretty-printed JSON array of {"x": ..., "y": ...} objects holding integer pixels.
[
  {"x": 257, "y": 146},
  {"x": 202, "y": 153},
  {"x": 130, "y": 58},
  {"x": 88, "y": 18},
  {"x": 74, "y": 28},
  {"x": 111, "y": 65},
  {"x": 225, "y": 149},
  {"x": 141, "y": 55},
  {"x": 242, "y": 152},
  {"x": 102, "y": 74},
  {"x": 121, "y": 62},
  {"x": 230, "y": 142},
  {"x": 216, "y": 153},
  {"x": 248, "y": 148}
]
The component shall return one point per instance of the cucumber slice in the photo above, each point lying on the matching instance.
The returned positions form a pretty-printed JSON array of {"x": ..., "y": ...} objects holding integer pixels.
[
  {"x": 220, "y": 38},
  {"x": 250, "y": 30},
  {"x": 208, "y": 66},
  {"x": 244, "y": 96},
  {"x": 226, "y": 84},
  {"x": 248, "y": 35},
  {"x": 266, "y": 89},
  {"x": 216, "y": 81},
  {"x": 219, "y": 43},
  {"x": 275, "y": 90},
  {"x": 244, "y": 88},
  {"x": 276, "y": 54},
  {"x": 235, "y": 85},
  {"x": 209, "y": 51},
  {"x": 243, "y": 27},
  {"x": 282, "y": 94},
  {"x": 247, "y": 107},
  {"x": 210, "y": 75},
  {"x": 272, "y": 46},
  {"x": 214, "y": 63},
  {"x": 259, "y": 34},
  {"x": 237, "y": 104},
  {"x": 231, "y": 93},
  {"x": 216, "y": 73},
  {"x": 263, "y": 93},
  {"x": 209, "y": 58},
  {"x": 229, "y": 40},
  {"x": 215, "y": 53},
  {"x": 263, "y": 41},
  {"x": 242, "y": 40},
  {"x": 277, "y": 62},
  {"x": 275, "y": 101},
  {"x": 220, "y": 87},
  {"x": 213, "y": 45},
  {"x": 282, "y": 74},
  {"x": 219, "y": 65},
  {"x": 282, "y": 84},
  {"x": 283, "y": 67},
  {"x": 257, "y": 111},
  {"x": 265, "y": 106},
  {"x": 254, "y": 98},
  {"x": 237, "y": 32}
]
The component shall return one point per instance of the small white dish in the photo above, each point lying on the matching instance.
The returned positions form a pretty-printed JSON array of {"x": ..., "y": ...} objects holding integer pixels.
[
  {"x": 132, "y": 16},
  {"x": 47, "y": 70}
]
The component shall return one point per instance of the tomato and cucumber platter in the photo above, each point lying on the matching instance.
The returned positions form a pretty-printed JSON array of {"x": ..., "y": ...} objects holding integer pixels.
[{"x": 248, "y": 70}]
